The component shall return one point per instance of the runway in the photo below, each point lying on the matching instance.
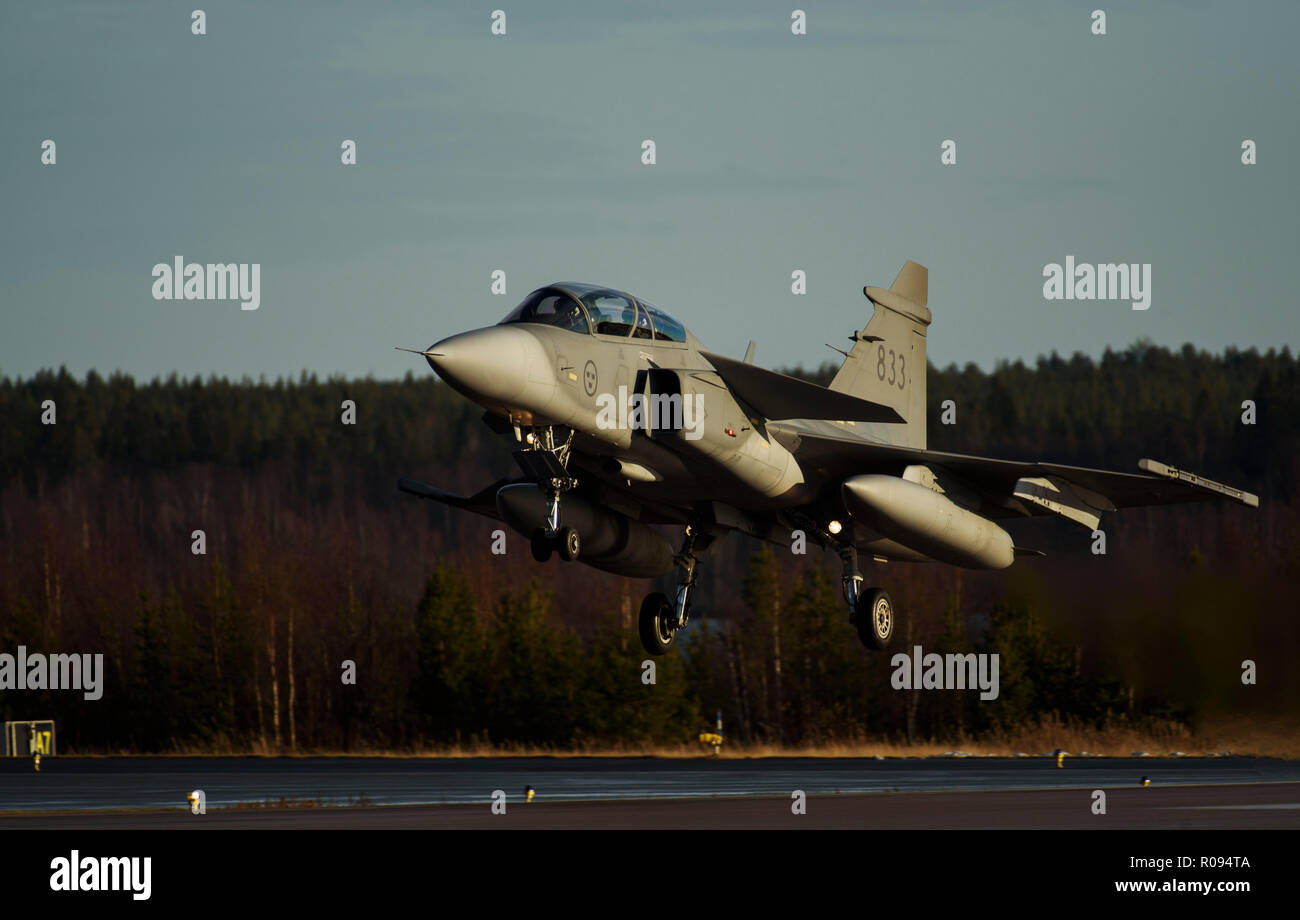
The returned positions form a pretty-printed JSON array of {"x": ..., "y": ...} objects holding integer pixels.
[
  {"x": 647, "y": 792},
  {"x": 1253, "y": 806}
]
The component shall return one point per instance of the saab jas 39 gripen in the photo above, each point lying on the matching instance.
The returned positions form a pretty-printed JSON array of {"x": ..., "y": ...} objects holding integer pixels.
[{"x": 625, "y": 425}]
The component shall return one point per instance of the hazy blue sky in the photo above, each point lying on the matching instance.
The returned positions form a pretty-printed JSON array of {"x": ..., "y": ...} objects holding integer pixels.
[{"x": 522, "y": 152}]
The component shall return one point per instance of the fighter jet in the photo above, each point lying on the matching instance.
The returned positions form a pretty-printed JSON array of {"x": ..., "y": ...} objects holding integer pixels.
[{"x": 625, "y": 426}]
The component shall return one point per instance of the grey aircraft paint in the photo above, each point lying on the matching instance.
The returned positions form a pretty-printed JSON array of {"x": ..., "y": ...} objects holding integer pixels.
[{"x": 768, "y": 455}]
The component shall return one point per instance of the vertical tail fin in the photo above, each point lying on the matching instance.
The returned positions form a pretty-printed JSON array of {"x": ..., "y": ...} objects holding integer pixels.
[{"x": 887, "y": 362}]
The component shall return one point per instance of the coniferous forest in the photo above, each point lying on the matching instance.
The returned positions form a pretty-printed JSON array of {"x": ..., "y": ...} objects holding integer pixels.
[{"x": 314, "y": 560}]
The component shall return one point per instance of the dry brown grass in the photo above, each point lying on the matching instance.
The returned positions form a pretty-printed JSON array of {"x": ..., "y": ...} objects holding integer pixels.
[
  {"x": 1279, "y": 738},
  {"x": 1155, "y": 737}
]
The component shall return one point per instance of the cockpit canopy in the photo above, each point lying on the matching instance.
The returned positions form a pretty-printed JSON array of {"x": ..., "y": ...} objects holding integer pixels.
[{"x": 590, "y": 308}]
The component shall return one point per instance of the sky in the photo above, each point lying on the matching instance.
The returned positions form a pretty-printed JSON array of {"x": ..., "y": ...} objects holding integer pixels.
[{"x": 522, "y": 153}]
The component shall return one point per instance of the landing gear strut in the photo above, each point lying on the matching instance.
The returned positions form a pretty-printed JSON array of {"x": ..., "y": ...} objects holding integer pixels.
[
  {"x": 871, "y": 610},
  {"x": 661, "y": 618},
  {"x": 548, "y": 463},
  {"x": 852, "y": 580}
]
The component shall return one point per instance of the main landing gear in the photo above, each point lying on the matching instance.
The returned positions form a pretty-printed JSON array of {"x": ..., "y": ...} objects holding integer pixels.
[
  {"x": 548, "y": 463},
  {"x": 871, "y": 610},
  {"x": 661, "y": 618}
]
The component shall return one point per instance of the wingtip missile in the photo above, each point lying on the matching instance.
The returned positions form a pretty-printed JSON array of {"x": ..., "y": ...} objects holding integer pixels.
[{"x": 1156, "y": 468}]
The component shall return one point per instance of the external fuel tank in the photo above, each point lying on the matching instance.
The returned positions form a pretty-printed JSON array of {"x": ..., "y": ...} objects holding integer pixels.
[{"x": 926, "y": 520}]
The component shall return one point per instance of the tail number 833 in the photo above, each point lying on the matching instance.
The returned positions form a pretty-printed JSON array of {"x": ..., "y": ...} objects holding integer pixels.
[{"x": 891, "y": 367}]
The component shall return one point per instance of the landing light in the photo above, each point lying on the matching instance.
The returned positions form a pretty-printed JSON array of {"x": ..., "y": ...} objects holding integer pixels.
[{"x": 834, "y": 527}]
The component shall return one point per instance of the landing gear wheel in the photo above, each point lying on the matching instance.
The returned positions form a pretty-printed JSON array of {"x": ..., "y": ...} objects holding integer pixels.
[
  {"x": 875, "y": 619},
  {"x": 541, "y": 546},
  {"x": 655, "y": 623},
  {"x": 570, "y": 544}
]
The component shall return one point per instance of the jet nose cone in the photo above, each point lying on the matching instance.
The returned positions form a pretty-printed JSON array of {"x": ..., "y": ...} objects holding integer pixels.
[{"x": 499, "y": 364}]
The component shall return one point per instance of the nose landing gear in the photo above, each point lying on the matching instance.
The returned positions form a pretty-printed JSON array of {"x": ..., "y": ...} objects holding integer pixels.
[
  {"x": 570, "y": 543},
  {"x": 548, "y": 463}
]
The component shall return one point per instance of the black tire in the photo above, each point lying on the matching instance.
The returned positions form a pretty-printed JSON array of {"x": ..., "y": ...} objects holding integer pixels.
[
  {"x": 876, "y": 619},
  {"x": 654, "y": 623},
  {"x": 570, "y": 544},
  {"x": 541, "y": 546}
]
